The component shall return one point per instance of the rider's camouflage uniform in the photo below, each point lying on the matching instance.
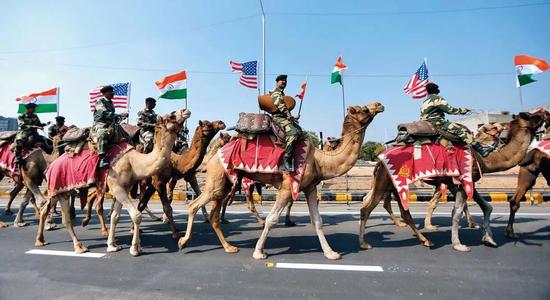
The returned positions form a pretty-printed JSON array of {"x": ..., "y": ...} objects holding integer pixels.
[
  {"x": 27, "y": 131},
  {"x": 181, "y": 140},
  {"x": 57, "y": 130},
  {"x": 147, "y": 120},
  {"x": 104, "y": 120},
  {"x": 283, "y": 118},
  {"x": 433, "y": 110}
]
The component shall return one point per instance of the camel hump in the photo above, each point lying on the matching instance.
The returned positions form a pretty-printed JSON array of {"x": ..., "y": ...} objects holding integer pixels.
[
  {"x": 418, "y": 128},
  {"x": 266, "y": 103},
  {"x": 7, "y": 135}
]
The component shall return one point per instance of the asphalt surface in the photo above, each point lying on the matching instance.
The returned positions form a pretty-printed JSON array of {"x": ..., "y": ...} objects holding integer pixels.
[{"x": 517, "y": 268}]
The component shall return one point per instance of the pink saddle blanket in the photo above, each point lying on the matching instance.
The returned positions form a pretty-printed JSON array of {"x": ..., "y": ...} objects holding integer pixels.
[
  {"x": 71, "y": 171},
  {"x": 408, "y": 164},
  {"x": 261, "y": 155},
  {"x": 543, "y": 146},
  {"x": 7, "y": 157}
]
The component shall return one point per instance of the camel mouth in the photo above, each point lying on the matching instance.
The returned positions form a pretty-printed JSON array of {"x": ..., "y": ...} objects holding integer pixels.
[{"x": 375, "y": 108}]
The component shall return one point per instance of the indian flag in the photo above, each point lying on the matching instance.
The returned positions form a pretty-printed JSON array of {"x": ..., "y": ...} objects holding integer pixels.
[
  {"x": 526, "y": 66},
  {"x": 339, "y": 68},
  {"x": 173, "y": 87},
  {"x": 45, "y": 101}
]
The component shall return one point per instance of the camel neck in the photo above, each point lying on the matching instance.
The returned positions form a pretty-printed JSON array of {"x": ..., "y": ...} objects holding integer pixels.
[
  {"x": 151, "y": 163},
  {"x": 340, "y": 160},
  {"x": 191, "y": 158}
]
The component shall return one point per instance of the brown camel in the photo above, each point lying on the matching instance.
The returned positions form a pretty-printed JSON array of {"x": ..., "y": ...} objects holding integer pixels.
[
  {"x": 319, "y": 166},
  {"x": 182, "y": 165},
  {"x": 32, "y": 175},
  {"x": 535, "y": 163},
  {"x": 521, "y": 132},
  {"x": 129, "y": 169}
]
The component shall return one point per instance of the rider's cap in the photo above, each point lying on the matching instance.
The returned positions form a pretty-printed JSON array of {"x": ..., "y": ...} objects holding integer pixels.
[
  {"x": 432, "y": 88},
  {"x": 30, "y": 105},
  {"x": 281, "y": 77},
  {"x": 150, "y": 99},
  {"x": 60, "y": 118},
  {"x": 106, "y": 89}
]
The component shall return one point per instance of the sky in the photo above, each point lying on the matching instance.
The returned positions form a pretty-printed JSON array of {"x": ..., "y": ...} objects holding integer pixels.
[{"x": 469, "y": 45}]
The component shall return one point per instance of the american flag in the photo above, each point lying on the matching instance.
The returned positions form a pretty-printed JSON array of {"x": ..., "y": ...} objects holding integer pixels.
[
  {"x": 249, "y": 73},
  {"x": 120, "y": 100},
  {"x": 417, "y": 85}
]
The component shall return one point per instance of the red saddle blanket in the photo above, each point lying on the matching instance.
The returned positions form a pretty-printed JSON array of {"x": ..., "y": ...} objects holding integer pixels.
[
  {"x": 543, "y": 146},
  {"x": 7, "y": 157},
  {"x": 407, "y": 165},
  {"x": 71, "y": 171},
  {"x": 261, "y": 155}
]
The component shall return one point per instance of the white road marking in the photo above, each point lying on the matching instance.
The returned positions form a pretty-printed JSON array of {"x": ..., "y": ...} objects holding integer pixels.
[
  {"x": 355, "y": 268},
  {"x": 65, "y": 253}
]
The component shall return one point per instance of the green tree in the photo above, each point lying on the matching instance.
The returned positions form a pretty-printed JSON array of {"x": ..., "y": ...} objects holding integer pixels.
[
  {"x": 370, "y": 151},
  {"x": 312, "y": 138}
]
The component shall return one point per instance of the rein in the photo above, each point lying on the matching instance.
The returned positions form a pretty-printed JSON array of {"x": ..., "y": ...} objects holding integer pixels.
[{"x": 344, "y": 146}]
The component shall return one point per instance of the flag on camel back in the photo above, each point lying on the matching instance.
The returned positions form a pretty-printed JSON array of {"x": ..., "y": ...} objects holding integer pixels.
[
  {"x": 337, "y": 72},
  {"x": 45, "y": 101},
  {"x": 173, "y": 87},
  {"x": 526, "y": 66},
  {"x": 416, "y": 87},
  {"x": 302, "y": 92},
  {"x": 121, "y": 95}
]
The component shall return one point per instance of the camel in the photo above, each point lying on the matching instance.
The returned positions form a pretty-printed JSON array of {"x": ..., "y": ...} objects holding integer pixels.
[
  {"x": 182, "y": 165},
  {"x": 32, "y": 175},
  {"x": 521, "y": 132},
  {"x": 129, "y": 169},
  {"x": 535, "y": 163},
  {"x": 319, "y": 166}
]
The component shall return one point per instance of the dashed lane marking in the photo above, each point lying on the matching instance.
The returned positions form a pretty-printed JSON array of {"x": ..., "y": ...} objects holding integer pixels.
[
  {"x": 65, "y": 253},
  {"x": 330, "y": 267}
]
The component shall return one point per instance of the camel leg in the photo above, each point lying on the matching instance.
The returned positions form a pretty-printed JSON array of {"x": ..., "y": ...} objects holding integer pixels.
[
  {"x": 89, "y": 204},
  {"x": 35, "y": 191},
  {"x": 152, "y": 216},
  {"x": 460, "y": 199},
  {"x": 471, "y": 222},
  {"x": 370, "y": 201},
  {"x": 225, "y": 203},
  {"x": 101, "y": 217},
  {"x": 66, "y": 216},
  {"x": 192, "y": 180},
  {"x": 283, "y": 196},
  {"x": 317, "y": 222},
  {"x": 487, "y": 209},
  {"x": 396, "y": 220},
  {"x": 72, "y": 209},
  {"x": 406, "y": 215},
  {"x": 167, "y": 209},
  {"x": 252, "y": 207},
  {"x": 115, "y": 215},
  {"x": 19, "y": 222},
  {"x": 432, "y": 205},
  {"x": 44, "y": 211},
  {"x": 288, "y": 222},
  {"x": 526, "y": 180},
  {"x": 32, "y": 200},
  {"x": 215, "y": 222},
  {"x": 16, "y": 189}
]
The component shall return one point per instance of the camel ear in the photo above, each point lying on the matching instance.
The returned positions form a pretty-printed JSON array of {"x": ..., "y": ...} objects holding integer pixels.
[
  {"x": 524, "y": 115},
  {"x": 200, "y": 122},
  {"x": 352, "y": 110}
]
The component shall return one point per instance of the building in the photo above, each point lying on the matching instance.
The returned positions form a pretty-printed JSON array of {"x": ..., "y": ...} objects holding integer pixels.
[
  {"x": 7, "y": 124},
  {"x": 474, "y": 121}
]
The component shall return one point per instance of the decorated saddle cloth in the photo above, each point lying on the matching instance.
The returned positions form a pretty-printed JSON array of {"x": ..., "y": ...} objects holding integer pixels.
[
  {"x": 409, "y": 164},
  {"x": 76, "y": 170},
  {"x": 7, "y": 157},
  {"x": 543, "y": 146},
  {"x": 261, "y": 155}
]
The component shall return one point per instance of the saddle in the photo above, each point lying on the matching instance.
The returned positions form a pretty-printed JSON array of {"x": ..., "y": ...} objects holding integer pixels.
[
  {"x": 7, "y": 137},
  {"x": 133, "y": 133},
  {"x": 422, "y": 132},
  {"x": 251, "y": 124}
]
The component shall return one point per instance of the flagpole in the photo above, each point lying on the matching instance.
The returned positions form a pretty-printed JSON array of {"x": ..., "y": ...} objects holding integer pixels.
[
  {"x": 128, "y": 108},
  {"x": 263, "y": 44},
  {"x": 343, "y": 95},
  {"x": 520, "y": 98},
  {"x": 58, "y": 94},
  {"x": 302, "y": 100},
  {"x": 426, "y": 63}
]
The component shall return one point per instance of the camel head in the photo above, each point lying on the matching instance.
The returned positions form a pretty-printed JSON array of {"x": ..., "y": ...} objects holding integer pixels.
[
  {"x": 365, "y": 114},
  {"x": 210, "y": 129},
  {"x": 225, "y": 137},
  {"x": 174, "y": 121}
]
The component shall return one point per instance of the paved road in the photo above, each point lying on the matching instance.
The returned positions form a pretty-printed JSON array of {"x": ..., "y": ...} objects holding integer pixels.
[{"x": 516, "y": 269}]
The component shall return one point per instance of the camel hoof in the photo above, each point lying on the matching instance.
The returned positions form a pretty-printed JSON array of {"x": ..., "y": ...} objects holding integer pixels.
[
  {"x": 333, "y": 255},
  {"x": 430, "y": 227},
  {"x": 39, "y": 243},
  {"x": 177, "y": 235},
  {"x": 20, "y": 224},
  {"x": 113, "y": 248},
  {"x": 461, "y": 248},
  {"x": 400, "y": 224},
  {"x": 427, "y": 243},
  {"x": 51, "y": 226},
  {"x": 104, "y": 233},
  {"x": 224, "y": 221},
  {"x": 8, "y": 212},
  {"x": 474, "y": 226},
  {"x": 3, "y": 225},
  {"x": 79, "y": 248},
  {"x": 182, "y": 243},
  {"x": 135, "y": 251},
  {"x": 365, "y": 246},
  {"x": 165, "y": 219},
  {"x": 231, "y": 249},
  {"x": 290, "y": 224},
  {"x": 85, "y": 222},
  {"x": 488, "y": 241},
  {"x": 259, "y": 254}
]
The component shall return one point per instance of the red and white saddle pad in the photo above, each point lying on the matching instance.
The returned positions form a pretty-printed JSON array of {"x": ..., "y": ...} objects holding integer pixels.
[
  {"x": 543, "y": 146},
  {"x": 408, "y": 164},
  {"x": 7, "y": 157},
  {"x": 71, "y": 171},
  {"x": 261, "y": 155}
]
